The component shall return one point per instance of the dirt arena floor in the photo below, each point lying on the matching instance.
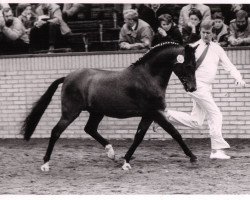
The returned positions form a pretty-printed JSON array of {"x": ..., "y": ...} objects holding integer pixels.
[{"x": 160, "y": 167}]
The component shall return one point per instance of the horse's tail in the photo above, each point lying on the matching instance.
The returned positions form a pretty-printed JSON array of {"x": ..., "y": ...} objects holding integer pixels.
[{"x": 38, "y": 109}]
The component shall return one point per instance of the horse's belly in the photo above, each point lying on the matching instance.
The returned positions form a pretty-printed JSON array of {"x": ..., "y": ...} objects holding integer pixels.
[{"x": 113, "y": 106}]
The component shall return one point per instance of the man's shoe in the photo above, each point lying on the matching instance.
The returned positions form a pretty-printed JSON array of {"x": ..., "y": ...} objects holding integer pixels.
[{"x": 219, "y": 154}]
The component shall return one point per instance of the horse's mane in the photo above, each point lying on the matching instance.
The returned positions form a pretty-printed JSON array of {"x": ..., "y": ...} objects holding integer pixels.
[{"x": 153, "y": 50}]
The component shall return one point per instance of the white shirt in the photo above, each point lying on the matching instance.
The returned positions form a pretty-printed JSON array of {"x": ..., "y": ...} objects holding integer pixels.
[{"x": 215, "y": 56}]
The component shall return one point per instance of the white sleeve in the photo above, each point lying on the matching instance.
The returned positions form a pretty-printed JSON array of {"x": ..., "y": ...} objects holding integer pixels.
[{"x": 228, "y": 65}]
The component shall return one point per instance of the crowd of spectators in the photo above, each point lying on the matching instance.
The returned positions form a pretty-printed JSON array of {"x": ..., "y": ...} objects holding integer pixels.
[
  {"x": 34, "y": 27},
  {"x": 187, "y": 29}
]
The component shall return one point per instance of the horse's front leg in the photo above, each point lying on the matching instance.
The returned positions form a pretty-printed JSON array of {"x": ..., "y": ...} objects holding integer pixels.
[
  {"x": 140, "y": 133},
  {"x": 160, "y": 118}
]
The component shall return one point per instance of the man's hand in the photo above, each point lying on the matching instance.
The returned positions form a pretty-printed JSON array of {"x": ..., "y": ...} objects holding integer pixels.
[
  {"x": 234, "y": 42},
  {"x": 125, "y": 45},
  {"x": 162, "y": 32},
  {"x": 192, "y": 26},
  {"x": 240, "y": 41},
  {"x": 39, "y": 23},
  {"x": 240, "y": 83}
]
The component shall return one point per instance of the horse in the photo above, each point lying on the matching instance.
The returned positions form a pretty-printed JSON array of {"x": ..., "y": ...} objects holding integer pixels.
[{"x": 136, "y": 91}]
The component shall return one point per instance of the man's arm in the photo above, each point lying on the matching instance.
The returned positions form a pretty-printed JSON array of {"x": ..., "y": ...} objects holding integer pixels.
[
  {"x": 181, "y": 21},
  {"x": 229, "y": 66},
  {"x": 206, "y": 14},
  {"x": 16, "y": 32},
  {"x": 123, "y": 43},
  {"x": 57, "y": 17},
  {"x": 147, "y": 37},
  {"x": 232, "y": 33}
]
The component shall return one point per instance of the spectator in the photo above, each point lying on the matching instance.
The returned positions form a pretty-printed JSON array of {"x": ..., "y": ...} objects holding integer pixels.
[
  {"x": 2, "y": 6},
  {"x": 13, "y": 37},
  {"x": 191, "y": 32},
  {"x": 184, "y": 13},
  {"x": 70, "y": 10},
  {"x": 240, "y": 29},
  {"x": 26, "y": 16},
  {"x": 135, "y": 33},
  {"x": 150, "y": 13},
  {"x": 167, "y": 31},
  {"x": 50, "y": 31},
  {"x": 220, "y": 30},
  {"x": 229, "y": 11}
]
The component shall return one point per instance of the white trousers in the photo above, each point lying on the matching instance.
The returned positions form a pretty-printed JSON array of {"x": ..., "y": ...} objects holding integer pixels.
[{"x": 203, "y": 106}]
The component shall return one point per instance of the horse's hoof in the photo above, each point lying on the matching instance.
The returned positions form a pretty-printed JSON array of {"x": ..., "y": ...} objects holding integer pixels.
[
  {"x": 110, "y": 151},
  {"x": 193, "y": 159},
  {"x": 126, "y": 166},
  {"x": 45, "y": 167}
]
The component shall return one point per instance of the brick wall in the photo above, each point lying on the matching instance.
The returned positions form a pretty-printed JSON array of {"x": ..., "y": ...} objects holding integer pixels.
[{"x": 23, "y": 79}]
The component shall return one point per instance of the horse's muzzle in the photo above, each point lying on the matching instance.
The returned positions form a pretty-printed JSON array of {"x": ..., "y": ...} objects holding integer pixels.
[{"x": 192, "y": 89}]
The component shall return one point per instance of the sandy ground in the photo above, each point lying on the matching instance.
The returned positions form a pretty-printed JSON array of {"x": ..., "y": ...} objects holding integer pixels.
[{"x": 160, "y": 167}]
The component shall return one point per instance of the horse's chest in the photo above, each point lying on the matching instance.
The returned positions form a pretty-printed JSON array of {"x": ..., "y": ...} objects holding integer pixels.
[{"x": 147, "y": 99}]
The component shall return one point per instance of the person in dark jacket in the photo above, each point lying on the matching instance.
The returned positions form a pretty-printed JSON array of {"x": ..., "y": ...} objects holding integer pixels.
[
  {"x": 167, "y": 31},
  {"x": 191, "y": 32},
  {"x": 220, "y": 30},
  {"x": 150, "y": 13}
]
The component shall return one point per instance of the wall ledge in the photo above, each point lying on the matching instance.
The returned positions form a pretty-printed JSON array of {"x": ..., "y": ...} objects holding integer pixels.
[{"x": 98, "y": 53}]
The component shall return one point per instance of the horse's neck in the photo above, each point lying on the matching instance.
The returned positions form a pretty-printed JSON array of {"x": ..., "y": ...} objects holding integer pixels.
[{"x": 161, "y": 71}]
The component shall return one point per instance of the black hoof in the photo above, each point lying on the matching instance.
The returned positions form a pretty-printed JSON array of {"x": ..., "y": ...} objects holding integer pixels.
[{"x": 193, "y": 159}]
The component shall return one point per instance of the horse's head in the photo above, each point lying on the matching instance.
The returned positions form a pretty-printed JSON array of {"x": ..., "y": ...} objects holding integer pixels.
[{"x": 185, "y": 68}]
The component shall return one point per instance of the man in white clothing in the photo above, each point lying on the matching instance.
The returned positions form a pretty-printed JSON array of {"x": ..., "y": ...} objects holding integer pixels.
[{"x": 203, "y": 102}]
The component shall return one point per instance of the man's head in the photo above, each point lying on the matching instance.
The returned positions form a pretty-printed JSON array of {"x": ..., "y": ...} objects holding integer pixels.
[
  {"x": 24, "y": 9},
  {"x": 206, "y": 30},
  {"x": 165, "y": 21},
  {"x": 218, "y": 20},
  {"x": 195, "y": 16},
  {"x": 8, "y": 16},
  {"x": 155, "y": 6},
  {"x": 241, "y": 20},
  {"x": 130, "y": 17},
  {"x": 45, "y": 8}
]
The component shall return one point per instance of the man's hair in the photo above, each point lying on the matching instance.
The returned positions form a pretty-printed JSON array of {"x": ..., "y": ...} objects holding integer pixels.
[
  {"x": 241, "y": 14},
  {"x": 207, "y": 24},
  {"x": 131, "y": 13},
  {"x": 195, "y": 12},
  {"x": 5, "y": 10},
  {"x": 218, "y": 15},
  {"x": 165, "y": 18},
  {"x": 21, "y": 7}
]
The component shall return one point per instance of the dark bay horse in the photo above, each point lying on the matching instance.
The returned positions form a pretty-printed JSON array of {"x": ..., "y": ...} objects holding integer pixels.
[{"x": 138, "y": 90}]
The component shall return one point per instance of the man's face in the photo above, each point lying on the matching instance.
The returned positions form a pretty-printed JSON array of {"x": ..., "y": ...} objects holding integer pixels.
[
  {"x": 194, "y": 20},
  {"x": 206, "y": 35},
  {"x": 218, "y": 23},
  {"x": 166, "y": 25},
  {"x": 8, "y": 17},
  {"x": 27, "y": 11},
  {"x": 129, "y": 21},
  {"x": 155, "y": 6},
  {"x": 241, "y": 24}
]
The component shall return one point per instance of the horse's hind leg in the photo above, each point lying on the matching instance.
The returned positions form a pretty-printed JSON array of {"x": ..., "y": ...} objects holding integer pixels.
[
  {"x": 140, "y": 133},
  {"x": 168, "y": 127},
  {"x": 63, "y": 123},
  {"x": 91, "y": 128}
]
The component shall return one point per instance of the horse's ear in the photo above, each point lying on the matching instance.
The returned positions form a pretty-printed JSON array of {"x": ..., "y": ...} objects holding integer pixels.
[
  {"x": 195, "y": 47},
  {"x": 189, "y": 47}
]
